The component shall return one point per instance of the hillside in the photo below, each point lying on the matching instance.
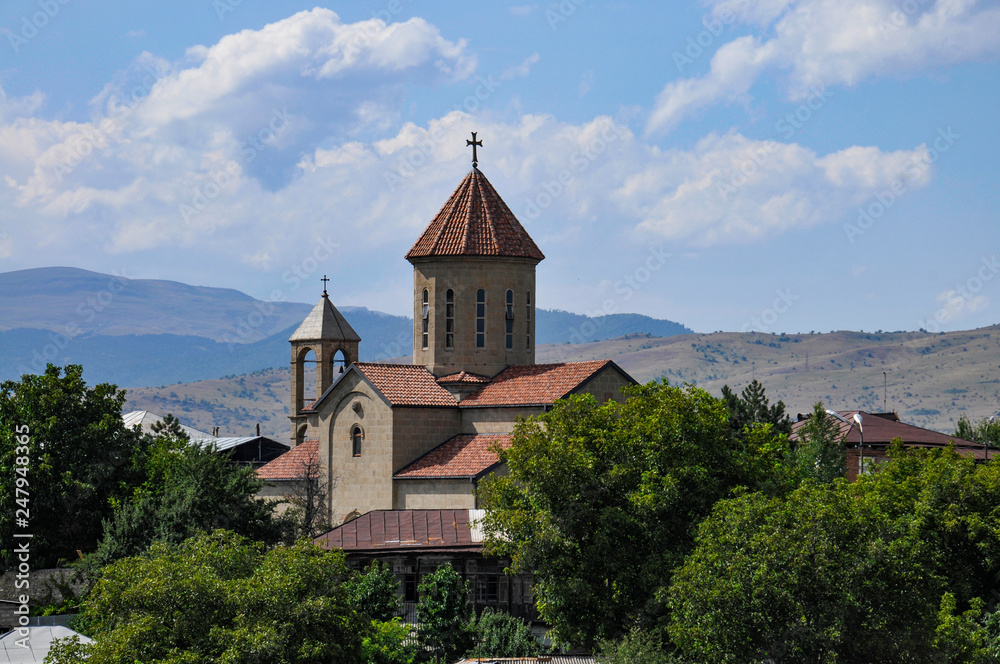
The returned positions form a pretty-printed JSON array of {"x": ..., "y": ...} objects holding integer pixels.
[
  {"x": 932, "y": 378},
  {"x": 144, "y": 332}
]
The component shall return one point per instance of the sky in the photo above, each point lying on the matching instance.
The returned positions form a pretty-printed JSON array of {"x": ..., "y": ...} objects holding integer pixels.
[{"x": 770, "y": 165}]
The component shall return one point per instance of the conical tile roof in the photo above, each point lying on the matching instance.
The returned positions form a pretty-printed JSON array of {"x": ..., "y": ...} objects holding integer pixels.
[
  {"x": 475, "y": 222},
  {"x": 324, "y": 322}
]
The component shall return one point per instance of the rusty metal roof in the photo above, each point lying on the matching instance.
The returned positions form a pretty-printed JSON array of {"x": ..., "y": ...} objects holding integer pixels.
[{"x": 393, "y": 530}]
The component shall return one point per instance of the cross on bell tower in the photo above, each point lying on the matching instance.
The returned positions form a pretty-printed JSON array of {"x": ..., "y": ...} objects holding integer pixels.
[
  {"x": 474, "y": 143},
  {"x": 324, "y": 280}
]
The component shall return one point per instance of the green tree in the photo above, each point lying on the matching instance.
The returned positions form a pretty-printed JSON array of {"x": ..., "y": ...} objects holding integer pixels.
[
  {"x": 81, "y": 457},
  {"x": 635, "y": 647},
  {"x": 751, "y": 407},
  {"x": 169, "y": 426},
  {"x": 820, "y": 452},
  {"x": 222, "y": 598},
  {"x": 500, "y": 634},
  {"x": 376, "y": 592},
  {"x": 601, "y": 503},
  {"x": 985, "y": 432},
  {"x": 895, "y": 567},
  {"x": 188, "y": 489},
  {"x": 443, "y": 615}
]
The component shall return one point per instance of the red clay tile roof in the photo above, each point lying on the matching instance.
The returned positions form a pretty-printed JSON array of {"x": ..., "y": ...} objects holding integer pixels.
[
  {"x": 533, "y": 384},
  {"x": 406, "y": 384},
  {"x": 289, "y": 466},
  {"x": 463, "y": 377},
  {"x": 382, "y": 530},
  {"x": 475, "y": 222},
  {"x": 465, "y": 455}
]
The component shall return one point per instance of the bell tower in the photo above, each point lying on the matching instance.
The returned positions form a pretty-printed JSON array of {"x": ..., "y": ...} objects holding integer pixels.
[
  {"x": 474, "y": 284},
  {"x": 329, "y": 338}
]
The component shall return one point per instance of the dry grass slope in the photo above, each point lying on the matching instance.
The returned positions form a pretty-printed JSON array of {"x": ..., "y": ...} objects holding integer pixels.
[{"x": 932, "y": 378}]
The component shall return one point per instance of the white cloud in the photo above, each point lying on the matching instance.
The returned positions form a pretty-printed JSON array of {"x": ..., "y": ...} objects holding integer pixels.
[
  {"x": 832, "y": 42},
  {"x": 521, "y": 70},
  {"x": 954, "y": 305}
]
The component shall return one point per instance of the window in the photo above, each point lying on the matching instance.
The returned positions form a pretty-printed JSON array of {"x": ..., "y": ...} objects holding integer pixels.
[
  {"x": 449, "y": 319},
  {"x": 510, "y": 320},
  {"x": 356, "y": 437},
  {"x": 480, "y": 318},
  {"x": 425, "y": 321},
  {"x": 527, "y": 318}
]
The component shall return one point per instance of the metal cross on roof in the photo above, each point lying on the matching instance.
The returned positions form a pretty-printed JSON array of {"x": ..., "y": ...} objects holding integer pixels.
[
  {"x": 474, "y": 143},
  {"x": 324, "y": 280}
]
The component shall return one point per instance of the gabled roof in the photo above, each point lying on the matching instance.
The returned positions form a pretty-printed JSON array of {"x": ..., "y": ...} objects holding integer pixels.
[
  {"x": 463, "y": 377},
  {"x": 536, "y": 384},
  {"x": 464, "y": 456},
  {"x": 880, "y": 429},
  {"x": 475, "y": 222},
  {"x": 146, "y": 419},
  {"x": 325, "y": 322},
  {"x": 406, "y": 384},
  {"x": 291, "y": 464},
  {"x": 388, "y": 530}
]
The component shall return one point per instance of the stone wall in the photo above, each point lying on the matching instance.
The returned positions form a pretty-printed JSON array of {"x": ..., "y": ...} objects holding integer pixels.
[{"x": 434, "y": 494}]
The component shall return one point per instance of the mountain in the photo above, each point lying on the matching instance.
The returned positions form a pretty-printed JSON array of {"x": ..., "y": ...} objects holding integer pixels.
[
  {"x": 931, "y": 379},
  {"x": 143, "y": 332}
]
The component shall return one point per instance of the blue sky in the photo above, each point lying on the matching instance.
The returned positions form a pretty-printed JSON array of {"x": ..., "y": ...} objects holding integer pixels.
[{"x": 779, "y": 165}]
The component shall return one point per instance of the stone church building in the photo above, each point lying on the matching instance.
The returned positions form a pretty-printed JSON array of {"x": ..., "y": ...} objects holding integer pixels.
[{"x": 421, "y": 436}]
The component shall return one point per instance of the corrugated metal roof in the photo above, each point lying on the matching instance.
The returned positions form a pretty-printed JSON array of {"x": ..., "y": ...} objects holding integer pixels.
[
  {"x": 552, "y": 659},
  {"x": 389, "y": 530},
  {"x": 147, "y": 418},
  {"x": 228, "y": 443},
  {"x": 39, "y": 641}
]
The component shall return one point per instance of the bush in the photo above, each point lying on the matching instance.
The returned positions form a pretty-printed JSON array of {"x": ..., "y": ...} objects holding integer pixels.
[{"x": 500, "y": 634}]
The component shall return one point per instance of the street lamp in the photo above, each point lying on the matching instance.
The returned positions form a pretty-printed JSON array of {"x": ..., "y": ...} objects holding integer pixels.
[{"x": 857, "y": 425}]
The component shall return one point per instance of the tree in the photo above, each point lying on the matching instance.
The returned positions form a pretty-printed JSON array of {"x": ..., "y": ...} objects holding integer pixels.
[
  {"x": 443, "y": 615},
  {"x": 222, "y": 598},
  {"x": 81, "y": 458},
  {"x": 169, "y": 426},
  {"x": 309, "y": 499},
  {"x": 895, "y": 567},
  {"x": 752, "y": 407},
  {"x": 985, "y": 432},
  {"x": 635, "y": 647},
  {"x": 187, "y": 489},
  {"x": 501, "y": 635},
  {"x": 820, "y": 453},
  {"x": 601, "y": 503},
  {"x": 375, "y": 593}
]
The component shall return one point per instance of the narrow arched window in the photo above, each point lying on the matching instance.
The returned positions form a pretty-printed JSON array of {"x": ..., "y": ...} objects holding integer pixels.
[
  {"x": 527, "y": 318},
  {"x": 480, "y": 318},
  {"x": 356, "y": 437},
  {"x": 449, "y": 319},
  {"x": 509, "y": 315},
  {"x": 425, "y": 315}
]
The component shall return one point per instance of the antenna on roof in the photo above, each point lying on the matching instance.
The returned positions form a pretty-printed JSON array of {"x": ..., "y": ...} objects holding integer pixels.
[{"x": 885, "y": 392}]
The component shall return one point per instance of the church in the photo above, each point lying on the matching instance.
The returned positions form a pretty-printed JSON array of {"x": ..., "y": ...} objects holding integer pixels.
[{"x": 421, "y": 436}]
